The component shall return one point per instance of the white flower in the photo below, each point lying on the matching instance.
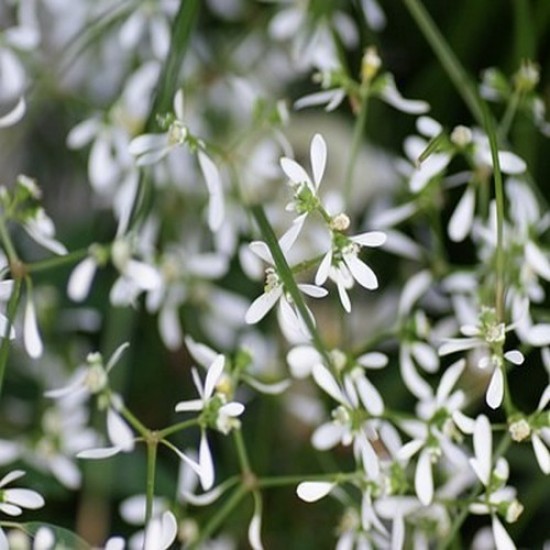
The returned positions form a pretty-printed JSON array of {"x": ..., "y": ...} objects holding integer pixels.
[
  {"x": 311, "y": 491},
  {"x": 214, "y": 404},
  {"x": 274, "y": 290},
  {"x": 342, "y": 264},
  {"x": 12, "y": 501},
  {"x": 93, "y": 379},
  {"x": 41, "y": 229},
  {"x": 305, "y": 188},
  {"x": 151, "y": 148}
]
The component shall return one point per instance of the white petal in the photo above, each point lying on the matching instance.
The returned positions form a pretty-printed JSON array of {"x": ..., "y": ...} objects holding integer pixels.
[
  {"x": 483, "y": 445},
  {"x": 262, "y": 305},
  {"x": 495, "y": 391},
  {"x": 116, "y": 355},
  {"x": 502, "y": 538},
  {"x": 462, "y": 219},
  {"x": 361, "y": 272},
  {"x": 369, "y": 396},
  {"x": 295, "y": 172},
  {"x": 370, "y": 238},
  {"x": 11, "y": 476},
  {"x": 541, "y": 452},
  {"x": 398, "y": 532},
  {"x": 213, "y": 376},
  {"x": 343, "y": 295},
  {"x": 515, "y": 357},
  {"x": 449, "y": 379},
  {"x": 408, "y": 450},
  {"x": 179, "y": 104},
  {"x": 31, "y": 335},
  {"x": 254, "y": 532},
  {"x": 103, "y": 452},
  {"x": 290, "y": 236},
  {"x": 15, "y": 115},
  {"x": 425, "y": 356},
  {"x": 161, "y": 532},
  {"x": 537, "y": 260},
  {"x": 330, "y": 98},
  {"x": 324, "y": 269},
  {"x": 423, "y": 480},
  {"x": 428, "y": 127},
  {"x": 416, "y": 384},
  {"x": 327, "y": 436},
  {"x": 119, "y": 432},
  {"x": 324, "y": 379},
  {"x": 206, "y": 464},
  {"x": 390, "y": 94},
  {"x": 83, "y": 133},
  {"x": 170, "y": 328},
  {"x": 301, "y": 360},
  {"x": 464, "y": 423},
  {"x": 214, "y": 183},
  {"x": 205, "y": 498},
  {"x": 544, "y": 399},
  {"x": 274, "y": 388},
  {"x": 232, "y": 409},
  {"x": 80, "y": 281},
  {"x": 191, "y": 405},
  {"x": 144, "y": 275},
  {"x": 373, "y": 360},
  {"x": 311, "y": 491},
  {"x": 262, "y": 251},
  {"x": 511, "y": 163},
  {"x": 313, "y": 290},
  {"x": 414, "y": 288},
  {"x": 147, "y": 142},
  {"x": 318, "y": 152},
  {"x": 25, "y": 498},
  {"x": 203, "y": 354}
]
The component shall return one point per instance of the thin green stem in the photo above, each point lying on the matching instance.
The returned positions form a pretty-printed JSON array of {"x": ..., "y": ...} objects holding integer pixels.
[
  {"x": 281, "y": 481},
  {"x": 57, "y": 261},
  {"x": 135, "y": 422},
  {"x": 241, "y": 451},
  {"x": 218, "y": 518},
  {"x": 6, "y": 242},
  {"x": 500, "y": 266},
  {"x": 180, "y": 426},
  {"x": 355, "y": 144},
  {"x": 446, "y": 56},
  {"x": 11, "y": 311},
  {"x": 509, "y": 114},
  {"x": 152, "y": 447},
  {"x": 180, "y": 36},
  {"x": 289, "y": 284}
]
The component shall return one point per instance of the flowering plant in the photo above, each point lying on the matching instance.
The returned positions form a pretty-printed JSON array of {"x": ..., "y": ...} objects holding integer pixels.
[{"x": 278, "y": 292}]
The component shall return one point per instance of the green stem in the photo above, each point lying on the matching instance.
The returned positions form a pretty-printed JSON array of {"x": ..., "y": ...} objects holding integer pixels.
[
  {"x": 215, "y": 521},
  {"x": 281, "y": 481},
  {"x": 510, "y": 113},
  {"x": 356, "y": 142},
  {"x": 180, "y": 426},
  {"x": 446, "y": 56},
  {"x": 11, "y": 311},
  {"x": 57, "y": 261},
  {"x": 166, "y": 88},
  {"x": 289, "y": 284},
  {"x": 6, "y": 242},
  {"x": 135, "y": 422},
  {"x": 152, "y": 446},
  {"x": 500, "y": 266},
  {"x": 241, "y": 451}
]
